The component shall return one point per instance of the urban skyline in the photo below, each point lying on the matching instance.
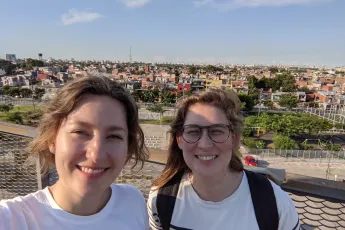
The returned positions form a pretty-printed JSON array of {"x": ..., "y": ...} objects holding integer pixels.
[{"x": 289, "y": 32}]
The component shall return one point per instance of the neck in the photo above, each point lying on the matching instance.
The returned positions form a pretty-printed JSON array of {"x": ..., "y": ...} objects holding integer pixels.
[
  {"x": 216, "y": 187},
  {"x": 79, "y": 205}
]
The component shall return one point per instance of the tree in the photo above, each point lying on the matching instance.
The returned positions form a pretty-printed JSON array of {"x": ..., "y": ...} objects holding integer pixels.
[
  {"x": 305, "y": 89},
  {"x": 137, "y": 95},
  {"x": 192, "y": 70},
  {"x": 5, "y": 89},
  {"x": 157, "y": 108},
  {"x": 289, "y": 101},
  {"x": 177, "y": 73},
  {"x": 247, "y": 100},
  {"x": 38, "y": 93},
  {"x": 6, "y": 108},
  {"x": 25, "y": 92},
  {"x": 268, "y": 104},
  {"x": 34, "y": 62},
  {"x": 253, "y": 144},
  {"x": 168, "y": 97},
  {"x": 14, "y": 91},
  {"x": 284, "y": 142},
  {"x": 15, "y": 118},
  {"x": 7, "y": 66}
]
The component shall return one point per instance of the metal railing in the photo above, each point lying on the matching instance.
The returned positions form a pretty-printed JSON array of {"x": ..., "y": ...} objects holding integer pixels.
[
  {"x": 18, "y": 170},
  {"x": 298, "y": 155}
]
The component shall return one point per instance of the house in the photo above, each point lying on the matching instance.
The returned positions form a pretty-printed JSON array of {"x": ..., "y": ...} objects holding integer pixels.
[
  {"x": 324, "y": 97},
  {"x": 302, "y": 96},
  {"x": 198, "y": 84},
  {"x": 184, "y": 85},
  {"x": 266, "y": 94},
  {"x": 317, "y": 85},
  {"x": 277, "y": 96},
  {"x": 210, "y": 83},
  {"x": 51, "y": 83}
]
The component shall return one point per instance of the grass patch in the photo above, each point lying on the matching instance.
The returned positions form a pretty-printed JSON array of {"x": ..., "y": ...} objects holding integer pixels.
[
  {"x": 20, "y": 109},
  {"x": 165, "y": 121}
]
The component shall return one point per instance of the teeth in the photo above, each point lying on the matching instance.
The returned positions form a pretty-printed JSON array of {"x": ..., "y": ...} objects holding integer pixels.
[
  {"x": 91, "y": 171},
  {"x": 206, "y": 158}
]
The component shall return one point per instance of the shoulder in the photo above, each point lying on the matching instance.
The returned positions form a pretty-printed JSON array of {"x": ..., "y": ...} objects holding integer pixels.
[
  {"x": 19, "y": 209},
  {"x": 288, "y": 216},
  {"x": 152, "y": 197},
  {"x": 20, "y": 202}
]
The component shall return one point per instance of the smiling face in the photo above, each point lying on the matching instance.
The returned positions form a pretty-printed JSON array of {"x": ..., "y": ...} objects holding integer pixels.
[
  {"x": 91, "y": 145},
  {"x": 206, "y": 157}
]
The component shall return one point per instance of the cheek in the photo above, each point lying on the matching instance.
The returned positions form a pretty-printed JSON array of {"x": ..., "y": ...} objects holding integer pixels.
[
  {"x": 68, "y": 151},
  {"x": 119, "y": 152}
]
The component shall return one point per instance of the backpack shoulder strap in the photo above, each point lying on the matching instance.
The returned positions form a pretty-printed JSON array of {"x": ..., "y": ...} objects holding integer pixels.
[
  {"x": 264, "y": 201},
  {"x": 166, "y": 199}
]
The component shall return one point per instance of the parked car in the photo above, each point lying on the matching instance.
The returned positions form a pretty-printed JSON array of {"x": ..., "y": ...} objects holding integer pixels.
[{"x": 249, "y": 160}]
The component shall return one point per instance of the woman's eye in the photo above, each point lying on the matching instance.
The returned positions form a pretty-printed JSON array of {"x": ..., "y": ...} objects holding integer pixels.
[
  {"x": 115, "y": 137},
  {"x": 79, "y": 132}
]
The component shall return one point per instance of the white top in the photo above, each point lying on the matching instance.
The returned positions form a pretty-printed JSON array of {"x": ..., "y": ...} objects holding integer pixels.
[
  {"x": 235, "y": 212},
  {"x": 126, "y": 210}
]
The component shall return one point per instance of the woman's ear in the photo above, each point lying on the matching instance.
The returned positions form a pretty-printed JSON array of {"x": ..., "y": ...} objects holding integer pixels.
[
  {"x": 52, "y": 148},
  {"x": 179, "y": 141}
]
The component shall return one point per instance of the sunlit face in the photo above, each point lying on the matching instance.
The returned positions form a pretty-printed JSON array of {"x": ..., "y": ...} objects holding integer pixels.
[
  {"x": 206, "y": 157},
  {"x": 91, "y": 145}
]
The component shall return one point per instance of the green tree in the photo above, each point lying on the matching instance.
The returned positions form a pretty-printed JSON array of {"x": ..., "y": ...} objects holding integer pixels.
[
  {"x": 14, "y": 91},
  {"x": 25, "y": 92},
  {"x": 7, "y": 66},
  {"x": 137, "y": 95},
  {"x": 284, "y": 142},
  {"x": 6, "y": 108},
  {"x": 305, "y": 89},
  {"x": 177, "y": 73},
  {"x": 247, "y": 100},
  {"x": 168, "y": 97},
  {"x": 38, "y": 93},
  {"x": 15, "y": 118},
  {"x": 250, "y": 143},
  {"x": 5, "y": 89},
  {"x": 157, "y": 108},
  {"x": 288, "y": 101},
  {"x": 192, "y": 70},
  {"x": 268, "y": 104}
]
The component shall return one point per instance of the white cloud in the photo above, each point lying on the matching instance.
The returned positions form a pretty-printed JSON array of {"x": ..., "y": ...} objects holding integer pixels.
[
  {"x": 232, "y": 4},
  {"x": 135, "y": 3},
  {"x": 78, "y": 16}
]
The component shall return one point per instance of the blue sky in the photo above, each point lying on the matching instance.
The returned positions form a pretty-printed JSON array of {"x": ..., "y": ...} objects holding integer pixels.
[{"x": 216, "y": 31}]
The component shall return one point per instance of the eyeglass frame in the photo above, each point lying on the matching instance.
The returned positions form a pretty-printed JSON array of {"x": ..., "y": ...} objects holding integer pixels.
[{"x": 202, "y": 127}]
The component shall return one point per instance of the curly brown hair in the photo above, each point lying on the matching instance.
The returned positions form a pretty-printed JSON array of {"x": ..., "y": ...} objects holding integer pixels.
[
  {"x": 65, "y": 101},
  {"x": 225, "y": 100}
]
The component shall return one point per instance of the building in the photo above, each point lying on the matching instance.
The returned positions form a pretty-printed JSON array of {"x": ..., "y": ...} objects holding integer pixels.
[
  {"x": 11, "y": 57},
  {"x": 278, "y": 95}
]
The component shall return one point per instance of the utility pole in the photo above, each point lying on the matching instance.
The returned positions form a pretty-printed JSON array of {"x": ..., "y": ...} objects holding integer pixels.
[{"x": 130, "y": 54}]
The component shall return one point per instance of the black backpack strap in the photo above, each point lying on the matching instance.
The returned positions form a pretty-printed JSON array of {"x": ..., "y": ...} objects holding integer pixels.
[
  {"x": 166, "y": 199},
  {"x": 264, "y": 201}
]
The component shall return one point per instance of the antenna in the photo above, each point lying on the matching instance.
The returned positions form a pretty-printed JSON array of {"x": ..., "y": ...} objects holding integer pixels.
[{"x": 130, "y": 54}]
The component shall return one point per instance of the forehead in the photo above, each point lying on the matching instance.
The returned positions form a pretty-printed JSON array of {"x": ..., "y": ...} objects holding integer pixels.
[
  {"x": 204, "y": 114},
  {"x": 102, "y": 111}
]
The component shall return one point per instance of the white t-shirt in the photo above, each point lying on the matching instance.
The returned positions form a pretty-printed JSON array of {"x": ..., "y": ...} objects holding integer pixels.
[
  {"x": 126, "y": 210},
  {"x": 235, "y": 212}
]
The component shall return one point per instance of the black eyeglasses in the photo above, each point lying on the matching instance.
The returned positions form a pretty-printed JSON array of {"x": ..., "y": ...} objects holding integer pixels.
[{"x": 218, "y": 133}]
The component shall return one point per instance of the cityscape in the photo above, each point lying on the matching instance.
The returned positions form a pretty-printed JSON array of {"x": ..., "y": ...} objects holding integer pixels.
[{"x": 293, "y": 111}]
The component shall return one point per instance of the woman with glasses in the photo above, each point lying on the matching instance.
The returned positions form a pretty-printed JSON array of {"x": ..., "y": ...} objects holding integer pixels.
[{"x": 204, "y": 184}]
